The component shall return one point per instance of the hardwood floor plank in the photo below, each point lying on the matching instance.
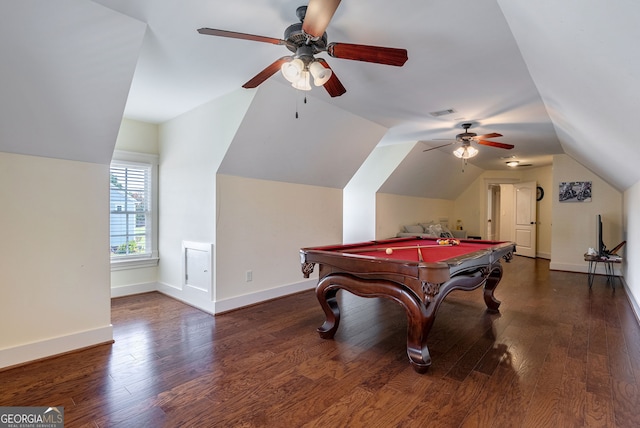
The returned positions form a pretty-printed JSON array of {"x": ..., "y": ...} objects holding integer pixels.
[
  {"x": 440, "y": 394},
  {"x": 599, "y": 412},
  {"x": 527, "y": 356},
  {"x": 492, "y": 398},
  {"x": 341, "y": 410},
  {"x": 456, "y": 409},
  {"x": 626, "y": 402},
  {"x": 545, "y": 405},
  {"x": 384, "y": 409},
  {"x": 296, "y": 409},
  {"x": 574, "y": 393}
]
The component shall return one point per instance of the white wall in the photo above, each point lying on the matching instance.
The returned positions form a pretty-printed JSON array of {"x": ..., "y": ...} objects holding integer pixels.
[
  {"x": 631, "y": 269},
  {"x": 192, "y": 147},
  {"x": 261, "y": 226},
  {"x": 471, "y": 205},
  {"x": 54, "y": 257},
  {"x": 139, "y": 137},
  {"x": 544, "y": 177},
  {"x": 574, "y": 224},
  {"x": 360, "y": 193},
  {"x": 395, "y": 211}
]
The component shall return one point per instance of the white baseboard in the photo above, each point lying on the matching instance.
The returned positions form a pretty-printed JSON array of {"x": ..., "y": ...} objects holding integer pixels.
[
  {"x": 177, "y": 293},
  {"x": 220, "y": 305},
  {"x": 226, "y": 305},
  {"x": 582, "y": 268},
  {"x": 129, "y": 290},
  {"x": 632, "y": 301},
  {"x": 58, "y": 345},
  {"x": 264, "y": 295}
]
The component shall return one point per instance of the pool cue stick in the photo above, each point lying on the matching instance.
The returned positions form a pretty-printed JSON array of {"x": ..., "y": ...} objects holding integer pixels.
[
  {"x": 420, "y": 255},
  {"x": 366, "y": 250}
]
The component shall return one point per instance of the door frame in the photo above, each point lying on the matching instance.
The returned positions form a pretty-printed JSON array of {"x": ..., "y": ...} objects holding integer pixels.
[{"x": 488, "y": 197}]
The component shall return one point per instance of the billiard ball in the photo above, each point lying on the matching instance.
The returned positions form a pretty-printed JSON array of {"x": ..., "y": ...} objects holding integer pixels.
[{"x": 389, "y": 251}]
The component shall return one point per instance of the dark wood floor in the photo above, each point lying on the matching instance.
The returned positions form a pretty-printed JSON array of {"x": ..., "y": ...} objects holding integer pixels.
[{"x": 557, "y": 355}]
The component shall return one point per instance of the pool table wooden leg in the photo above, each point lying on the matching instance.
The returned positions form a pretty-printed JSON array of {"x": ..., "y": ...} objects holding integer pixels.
[
  {"x": 493, "y": 278},
  {"x": 419, "y": 318},
  {"x": 417, "y": 332},
  {"x": 329, "y": 303}
]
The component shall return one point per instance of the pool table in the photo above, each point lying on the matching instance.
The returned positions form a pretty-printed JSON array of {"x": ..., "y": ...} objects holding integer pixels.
[{"x": 418, "y": 273}]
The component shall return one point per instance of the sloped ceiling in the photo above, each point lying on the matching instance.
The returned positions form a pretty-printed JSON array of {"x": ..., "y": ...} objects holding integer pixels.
[
  {"x": 443, "y": 177},
  {"x": 272, "y": 144},
  {"x": 583, "y": 62},
  {"x": 550, "y": 76},
  {"x": 66, "y": 70}
]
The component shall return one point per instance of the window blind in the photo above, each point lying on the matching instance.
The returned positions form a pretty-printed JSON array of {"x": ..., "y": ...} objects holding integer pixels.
[{"x": 130, "y": 209}]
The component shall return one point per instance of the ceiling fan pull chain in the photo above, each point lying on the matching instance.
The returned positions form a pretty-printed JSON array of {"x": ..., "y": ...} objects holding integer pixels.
[{"x": 304, "y": 101}]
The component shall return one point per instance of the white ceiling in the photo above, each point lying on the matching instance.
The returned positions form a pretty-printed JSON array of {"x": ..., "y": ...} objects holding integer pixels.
[{"x": 550, "y": 76}]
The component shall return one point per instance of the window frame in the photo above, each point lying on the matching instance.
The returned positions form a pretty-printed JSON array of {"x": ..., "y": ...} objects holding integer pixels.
[{"x": 150, "y": 258}]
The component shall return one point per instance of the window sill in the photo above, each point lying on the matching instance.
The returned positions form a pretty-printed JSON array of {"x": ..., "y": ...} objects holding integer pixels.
[{"x": 134, "y": 263}]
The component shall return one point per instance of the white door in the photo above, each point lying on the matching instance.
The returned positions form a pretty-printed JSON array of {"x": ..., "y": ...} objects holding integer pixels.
[{"x": 525, "y": 218}]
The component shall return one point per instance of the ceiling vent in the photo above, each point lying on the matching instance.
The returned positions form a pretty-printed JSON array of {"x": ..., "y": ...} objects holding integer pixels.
[{"x": 442, "y": 112}]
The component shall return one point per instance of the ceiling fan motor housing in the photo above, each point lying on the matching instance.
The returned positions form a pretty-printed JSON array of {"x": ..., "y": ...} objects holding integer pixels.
[
  {"x": 466, "y": 136},
  {"x": 297, "y": 38}
]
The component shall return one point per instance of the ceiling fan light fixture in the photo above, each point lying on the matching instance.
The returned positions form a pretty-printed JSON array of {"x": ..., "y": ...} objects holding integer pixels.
[
  {"x": 303, "y": 83},
  {"x": 465, "y": 152},
  {"x": 321, "y": 75},
  {"x": 292, "y": 70},
  {"x": 513, "y": 164}
]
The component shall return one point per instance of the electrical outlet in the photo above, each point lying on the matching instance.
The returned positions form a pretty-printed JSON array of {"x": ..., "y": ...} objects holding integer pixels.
[{"x": 249, "y": 276}]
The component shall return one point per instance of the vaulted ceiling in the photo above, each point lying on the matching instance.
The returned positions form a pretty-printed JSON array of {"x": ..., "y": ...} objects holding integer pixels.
[{"x": 550, "y": 76}]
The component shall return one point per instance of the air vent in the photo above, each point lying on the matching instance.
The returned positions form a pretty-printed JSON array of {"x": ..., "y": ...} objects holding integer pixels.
[{"x": 442, "y": 112}]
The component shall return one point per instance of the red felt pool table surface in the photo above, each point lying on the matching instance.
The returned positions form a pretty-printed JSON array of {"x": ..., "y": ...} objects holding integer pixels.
[{"x": 430, "y": 249}]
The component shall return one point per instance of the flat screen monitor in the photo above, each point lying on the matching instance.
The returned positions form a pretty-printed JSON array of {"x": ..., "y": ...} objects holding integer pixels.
[{"x": 602, "y": 249}]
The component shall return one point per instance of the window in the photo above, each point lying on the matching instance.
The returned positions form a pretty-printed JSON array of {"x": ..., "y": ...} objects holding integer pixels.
[{"x": 133, "y": 218}]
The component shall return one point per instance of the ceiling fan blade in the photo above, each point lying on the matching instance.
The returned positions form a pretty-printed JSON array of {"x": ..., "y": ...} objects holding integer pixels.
[
  {"x": 482, "y": 137},
  {"x": 376, "y": 54},
  {"x": 243, "y": 36},
  {"x": 496, "y": 144},
  {"x": 318, "y": 15},
  {"x": 333, "y": 86},
  {"x": 266, "y": 73},
  {"x": 437, "y": 147}
]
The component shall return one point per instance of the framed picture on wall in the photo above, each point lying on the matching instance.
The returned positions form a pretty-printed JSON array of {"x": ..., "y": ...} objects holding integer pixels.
[{"x": 575, "y": 191}]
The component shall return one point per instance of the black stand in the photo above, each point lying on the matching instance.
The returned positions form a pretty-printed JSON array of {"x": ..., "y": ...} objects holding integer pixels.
[{"x": 608, "y": 261}]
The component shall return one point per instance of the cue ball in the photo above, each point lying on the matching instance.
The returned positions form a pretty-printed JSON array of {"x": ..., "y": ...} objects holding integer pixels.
[{"x": 389, "y": 251}]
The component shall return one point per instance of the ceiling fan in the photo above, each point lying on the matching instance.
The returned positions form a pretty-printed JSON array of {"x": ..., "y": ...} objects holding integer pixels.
[
  {"x": 305, "y": 40},
  {"x": 466, "y": 150}
]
